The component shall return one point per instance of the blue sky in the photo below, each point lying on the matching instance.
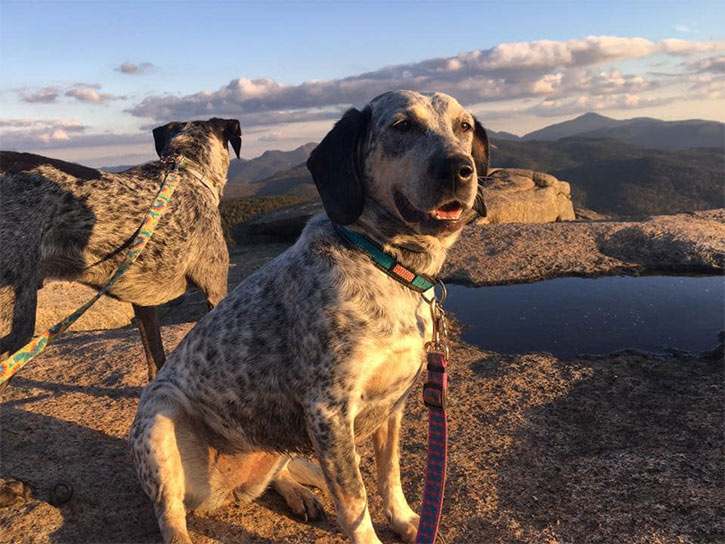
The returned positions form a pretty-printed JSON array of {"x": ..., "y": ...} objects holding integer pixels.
[{"x": 64, "y": 95}]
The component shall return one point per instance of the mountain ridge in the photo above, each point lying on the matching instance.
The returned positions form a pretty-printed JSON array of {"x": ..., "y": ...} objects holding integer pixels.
[{"x": 641, "y": 131}]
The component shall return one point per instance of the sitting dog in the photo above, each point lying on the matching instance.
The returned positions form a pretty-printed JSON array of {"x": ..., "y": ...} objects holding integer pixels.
[
  {"x": 66, "y": 221},
  {"x": 319, "y": 349}
]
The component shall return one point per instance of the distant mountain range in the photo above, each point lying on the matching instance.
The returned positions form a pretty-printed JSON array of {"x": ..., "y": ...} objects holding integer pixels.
[
  {"x": 606, "y": 175},
  {"x": 641, "y": 131},
  {"x": 618, "y": 178},
  {"x": 618, "y": 167},
  {"x": 268, "y": 163},
  {"x": 251, "y": 170}
]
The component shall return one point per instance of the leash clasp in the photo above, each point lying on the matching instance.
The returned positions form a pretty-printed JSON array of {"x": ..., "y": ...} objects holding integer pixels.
[
  {"x": 439, "y": 342},
  {"x": 174, "y": 161}
]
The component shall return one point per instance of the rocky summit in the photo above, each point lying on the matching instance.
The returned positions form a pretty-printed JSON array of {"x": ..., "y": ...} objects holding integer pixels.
[{"x": 620, "y": 448}]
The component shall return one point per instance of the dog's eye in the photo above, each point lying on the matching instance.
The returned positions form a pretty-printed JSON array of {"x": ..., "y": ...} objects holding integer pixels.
[
  {"x": 465, "y": 126},
  {"x": 403, "y": 125}
]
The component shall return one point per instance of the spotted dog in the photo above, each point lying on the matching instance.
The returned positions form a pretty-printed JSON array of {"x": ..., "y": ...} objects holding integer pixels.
[
  {"x": 66, "y": 221},
  {"x": 318, "y": 350}
]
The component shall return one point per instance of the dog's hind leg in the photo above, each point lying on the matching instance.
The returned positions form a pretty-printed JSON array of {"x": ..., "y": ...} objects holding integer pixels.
[
  {"x": 147, "y": 320},
  {"x": 160, "y": 469},
  {"x": 18, "y": 307}
]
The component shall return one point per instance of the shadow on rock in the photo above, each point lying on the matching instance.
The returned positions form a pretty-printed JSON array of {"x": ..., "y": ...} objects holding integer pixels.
[
  {"x": 107, "y": 503},
  {"x": 59, "y": 388}
]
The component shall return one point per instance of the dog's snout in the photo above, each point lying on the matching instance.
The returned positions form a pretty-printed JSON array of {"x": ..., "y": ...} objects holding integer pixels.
[{"x": 453, "y": 168}]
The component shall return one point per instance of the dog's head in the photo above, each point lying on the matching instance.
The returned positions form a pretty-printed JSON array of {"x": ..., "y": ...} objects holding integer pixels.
[
  {"x": 187, "y": 137},
  {"x": 416, "y": 157}
]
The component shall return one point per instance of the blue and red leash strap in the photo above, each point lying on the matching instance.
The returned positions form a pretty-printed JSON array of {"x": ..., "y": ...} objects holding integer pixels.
[{"x": 434, "y": 397}]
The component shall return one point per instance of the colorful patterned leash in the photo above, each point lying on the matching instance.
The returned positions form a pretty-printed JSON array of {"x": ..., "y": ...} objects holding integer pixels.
[
  {"x": 435, "y": 398},
  {"x": 10, "y": 365}
]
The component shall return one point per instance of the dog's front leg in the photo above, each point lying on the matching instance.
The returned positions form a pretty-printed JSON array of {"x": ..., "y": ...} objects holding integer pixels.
[
  {"x": 331, "y": 430},
  {"x": 386, "y": 442}
]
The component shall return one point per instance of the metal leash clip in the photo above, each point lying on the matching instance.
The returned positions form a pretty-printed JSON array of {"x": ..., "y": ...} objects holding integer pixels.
[
  {"x": 439, "y": 341},
  {"x": 174, "y": 160}
]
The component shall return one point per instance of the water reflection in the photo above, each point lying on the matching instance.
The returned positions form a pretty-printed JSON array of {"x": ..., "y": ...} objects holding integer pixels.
[{"x": 570, "y": 316}]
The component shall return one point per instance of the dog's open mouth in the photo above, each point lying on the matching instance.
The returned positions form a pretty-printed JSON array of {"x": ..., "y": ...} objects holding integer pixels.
[
  {"x": 445, "y": 217},
  {"x": 449, "y": 212}
]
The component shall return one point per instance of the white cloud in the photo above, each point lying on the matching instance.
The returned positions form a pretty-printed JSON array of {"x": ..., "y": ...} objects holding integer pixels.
[
  {"x": 272, "y": 136},
  {"x": 131, "y": 68},
  {"x": 17, "y": 133},
  {"x": 89, "y": 93},
  {"x": 710, "y": 64},
  {"x": 39, "y": 134},
  {"x": 46, "y": 95},
  {"x": 685, "y": 29},
  {"x": 547, "y": 84},
  {"x": 708, "y": 87},
  {"x": 35, "y": 123},
  {"x": 586, "y": 103},
  {"x": 83, "y": 92}
]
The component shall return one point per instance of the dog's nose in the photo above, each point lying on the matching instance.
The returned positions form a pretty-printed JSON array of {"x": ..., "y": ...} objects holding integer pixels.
[{"x": 457, "y": 169}]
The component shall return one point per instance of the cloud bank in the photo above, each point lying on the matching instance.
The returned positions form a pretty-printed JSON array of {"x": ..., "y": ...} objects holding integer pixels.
[
  {"x": 551, "y": 71},
  {"x": 17, "y": 133},
  {"x": 83, "y": 92}
]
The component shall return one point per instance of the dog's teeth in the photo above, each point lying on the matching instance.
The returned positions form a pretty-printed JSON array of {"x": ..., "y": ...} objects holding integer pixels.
[{"x": 453, "y": 215}]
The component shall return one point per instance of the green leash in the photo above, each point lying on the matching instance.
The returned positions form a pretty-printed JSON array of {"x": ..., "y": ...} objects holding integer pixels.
[{"x": 10, "y": 365}]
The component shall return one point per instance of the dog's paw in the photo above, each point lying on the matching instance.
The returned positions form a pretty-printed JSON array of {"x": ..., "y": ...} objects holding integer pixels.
[
  {"x": 406, "y": 527},
  {"x": 13, "y": 492},
  {"x": 304, "y": 503}
]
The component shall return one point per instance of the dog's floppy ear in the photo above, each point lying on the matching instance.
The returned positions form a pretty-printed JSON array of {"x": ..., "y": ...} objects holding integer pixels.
[
  {"x": 334, "y": 165},
  {"x": 234, "y": 133},
  {"x": 481, "y": 156},
  {"x": 162, "y": 135},
  {"x": 229, "y": 131}
]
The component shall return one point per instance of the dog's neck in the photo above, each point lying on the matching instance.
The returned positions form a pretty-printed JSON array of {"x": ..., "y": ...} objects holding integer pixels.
[
  {"x": 420, "y": 253},
  {"x": 209, "y": 156}
]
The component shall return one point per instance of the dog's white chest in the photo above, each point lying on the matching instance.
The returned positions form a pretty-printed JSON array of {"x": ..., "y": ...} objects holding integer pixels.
[{"x": 389, "y": 367}]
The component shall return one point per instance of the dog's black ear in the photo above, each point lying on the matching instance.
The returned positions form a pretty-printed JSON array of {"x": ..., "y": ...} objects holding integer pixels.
[
  {"x": 335, "y": 167},
  {"x": 480, "y": 149},
  {"x": 234, "y": 133},
  {"x": 163, "y": 135},
  {"x": 481, "y": 156},
  {"x": 229, "y": 131},
  {"x": 161, "y": 138}
]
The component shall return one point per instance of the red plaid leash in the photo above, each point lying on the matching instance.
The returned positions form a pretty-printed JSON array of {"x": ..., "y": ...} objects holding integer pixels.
[{"x": 435, "y": 398}]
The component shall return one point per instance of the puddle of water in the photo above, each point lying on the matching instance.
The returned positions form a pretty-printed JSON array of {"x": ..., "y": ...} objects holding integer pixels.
[{"x": 570, "y": 316}]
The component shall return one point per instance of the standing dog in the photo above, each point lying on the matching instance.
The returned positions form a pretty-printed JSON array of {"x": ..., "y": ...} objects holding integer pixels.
[
  {"x": 66, "y": 221},
  {"x": 319, "y": 349}
]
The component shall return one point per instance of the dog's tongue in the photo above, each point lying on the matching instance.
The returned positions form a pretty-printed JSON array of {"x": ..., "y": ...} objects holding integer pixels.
[{"x": 449, "y": 211}]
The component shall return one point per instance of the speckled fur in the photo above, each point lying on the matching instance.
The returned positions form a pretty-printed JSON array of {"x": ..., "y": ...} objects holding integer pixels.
[
  {"x": 65, "y": 221},
  {"x": 313, "y": 353}
]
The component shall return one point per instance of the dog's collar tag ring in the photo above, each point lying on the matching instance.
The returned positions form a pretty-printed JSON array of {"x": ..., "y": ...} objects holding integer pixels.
[{"x": 435, "y": 398}]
